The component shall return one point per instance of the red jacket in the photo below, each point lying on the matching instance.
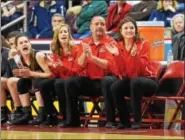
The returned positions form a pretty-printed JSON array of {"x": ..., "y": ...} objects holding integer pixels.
[
  {"x": 139, "y": 65},
  {"x": 68, "y": 64},
  {"x": 113, "y": 18},
  {"x": 92, "y": 70}
]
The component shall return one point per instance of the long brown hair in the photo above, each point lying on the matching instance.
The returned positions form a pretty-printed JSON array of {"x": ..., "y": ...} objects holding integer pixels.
[
  {"x": 32, "y": 53},
  {"x": 56, "y": 47},
  {"x": 125, "y": 20}
]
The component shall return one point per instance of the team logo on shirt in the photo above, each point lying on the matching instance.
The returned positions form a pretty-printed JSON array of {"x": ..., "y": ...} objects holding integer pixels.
[
  {"x": 101, "y": 50},
  {"x": 70, "y": 59}
]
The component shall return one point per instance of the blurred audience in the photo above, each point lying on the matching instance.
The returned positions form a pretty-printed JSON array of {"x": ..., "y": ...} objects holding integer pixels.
[
  {"x": 142, "y": 10},
  {"x": 178, "y": 37},
  {"x": 90, "y": 9},
  {"x": 42, "y": 13},
  {"x": 116, "y": 13},
  {"x": 55, "y": 21},
  {"x": 166, "y": 9}
]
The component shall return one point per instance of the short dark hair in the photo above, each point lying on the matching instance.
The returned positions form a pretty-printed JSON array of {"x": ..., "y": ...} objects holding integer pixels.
[
  {"x": 13, "y": 34},
  {"x": 96, "y": 17}
]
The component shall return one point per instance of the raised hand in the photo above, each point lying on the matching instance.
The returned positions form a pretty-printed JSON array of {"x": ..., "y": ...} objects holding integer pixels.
[
  {"x": 172, "y": 9},
  {"x": 87, "y": 50},
  {"x": 133, "y": 52},
  {"x": 112, "y": 48},
  {"x": 53, "y": 61}
]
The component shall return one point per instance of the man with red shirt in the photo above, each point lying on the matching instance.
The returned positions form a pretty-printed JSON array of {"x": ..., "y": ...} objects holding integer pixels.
[{"x": 97, "y": 67}]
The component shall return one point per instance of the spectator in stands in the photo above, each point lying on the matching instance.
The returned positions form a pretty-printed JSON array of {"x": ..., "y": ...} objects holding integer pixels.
[
  {"x": 116, "y": 13},
  {"x": 31, "y": 69},
  {"x": 177, "y": 24},
  {"x": 61, "y": 62},
  {"x": 55, "y": 21},
  {"x": 95, "y": 63},
  {"x": 73, "y": 13},
  {"x": 178, "y": 37},
  {"x": 42, "y": 13},
  {"x": 92, "y": 8},
  {"x": 138, "y": 75},
  {"x": 166, "y": 9},
  {"x": 11, "y": 12},
  {"x": 142, "y": 10}
]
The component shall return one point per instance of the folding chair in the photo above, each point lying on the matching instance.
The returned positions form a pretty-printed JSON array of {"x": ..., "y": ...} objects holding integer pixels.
[
  {"x": 145, "y": 103},
  {"x": 95, "y": 101},
  {"x": 174, "y": 71}
]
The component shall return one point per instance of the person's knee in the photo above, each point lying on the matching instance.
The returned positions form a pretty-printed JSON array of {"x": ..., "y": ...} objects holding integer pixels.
[
  {"x": 3, "y": 83},
  {"x": 71, "y": 81},
  {"x": 59, "y": 84},
  {"x": 114, "y": 89},
  {"x": 106, "y": 81},
  {"x": 136, "y": 82},
  {"x": 24, "y": 85},
  {"x": 11, "y": 82}
]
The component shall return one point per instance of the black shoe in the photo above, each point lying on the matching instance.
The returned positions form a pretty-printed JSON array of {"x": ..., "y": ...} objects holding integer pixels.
[
  {"x": 51, "y": 120},
  {"x": 136, "y": 125},
  {"x": 110, "y": 125},
  {"x": 40, "y": 118},
  {"x": 68, "y": 125},
  {"x": 61, "y": 123},
  {"x": 37, "y": 121},
  {"x": 4, "y": 114},
  {"x": 25, "y": 118},
  {"x": 22, "y": 120},
  {"x": 16, "y": 115},
  {"x": 4, "y": 118},
  {"x": 123, "y": 126}
]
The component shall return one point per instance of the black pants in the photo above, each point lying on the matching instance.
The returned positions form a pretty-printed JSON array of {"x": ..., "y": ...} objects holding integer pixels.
[
  {"x": 46, "y": 87},
  {"x": 136, "y": 89},
  {"x": 59, "y": 88},
  {"x": 76, "y": 86},
  {"x": 24, "y": 85}
]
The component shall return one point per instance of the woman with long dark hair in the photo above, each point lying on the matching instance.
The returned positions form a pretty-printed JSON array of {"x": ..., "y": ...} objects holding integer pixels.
[
  {"x": 31, "y": 69},
  {"x": 138, "y": 76}
]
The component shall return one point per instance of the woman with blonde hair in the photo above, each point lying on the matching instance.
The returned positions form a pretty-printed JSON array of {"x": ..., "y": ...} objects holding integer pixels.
[
  {"x": 166, "y": 9},
  {"x": 61, "y": 61}
]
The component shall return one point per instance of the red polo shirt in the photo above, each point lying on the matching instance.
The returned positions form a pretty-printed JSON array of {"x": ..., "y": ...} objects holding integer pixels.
[{"x": 92, "y": 70}]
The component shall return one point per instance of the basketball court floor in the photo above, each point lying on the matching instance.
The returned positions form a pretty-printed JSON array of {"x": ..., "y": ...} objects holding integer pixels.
[{"x": 36, "y": 132}]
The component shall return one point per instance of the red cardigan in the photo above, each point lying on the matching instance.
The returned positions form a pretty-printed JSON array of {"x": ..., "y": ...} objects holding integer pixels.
[{"x": 114, "y": 18}]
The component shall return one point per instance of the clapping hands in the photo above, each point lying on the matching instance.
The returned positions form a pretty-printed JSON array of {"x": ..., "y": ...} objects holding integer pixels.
[
  {"x": 23, "y": 72},
  {"x": 87, "y": 49},
  {"x": 112, "y": 49},
  {"x": 133, "y": 51}
]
